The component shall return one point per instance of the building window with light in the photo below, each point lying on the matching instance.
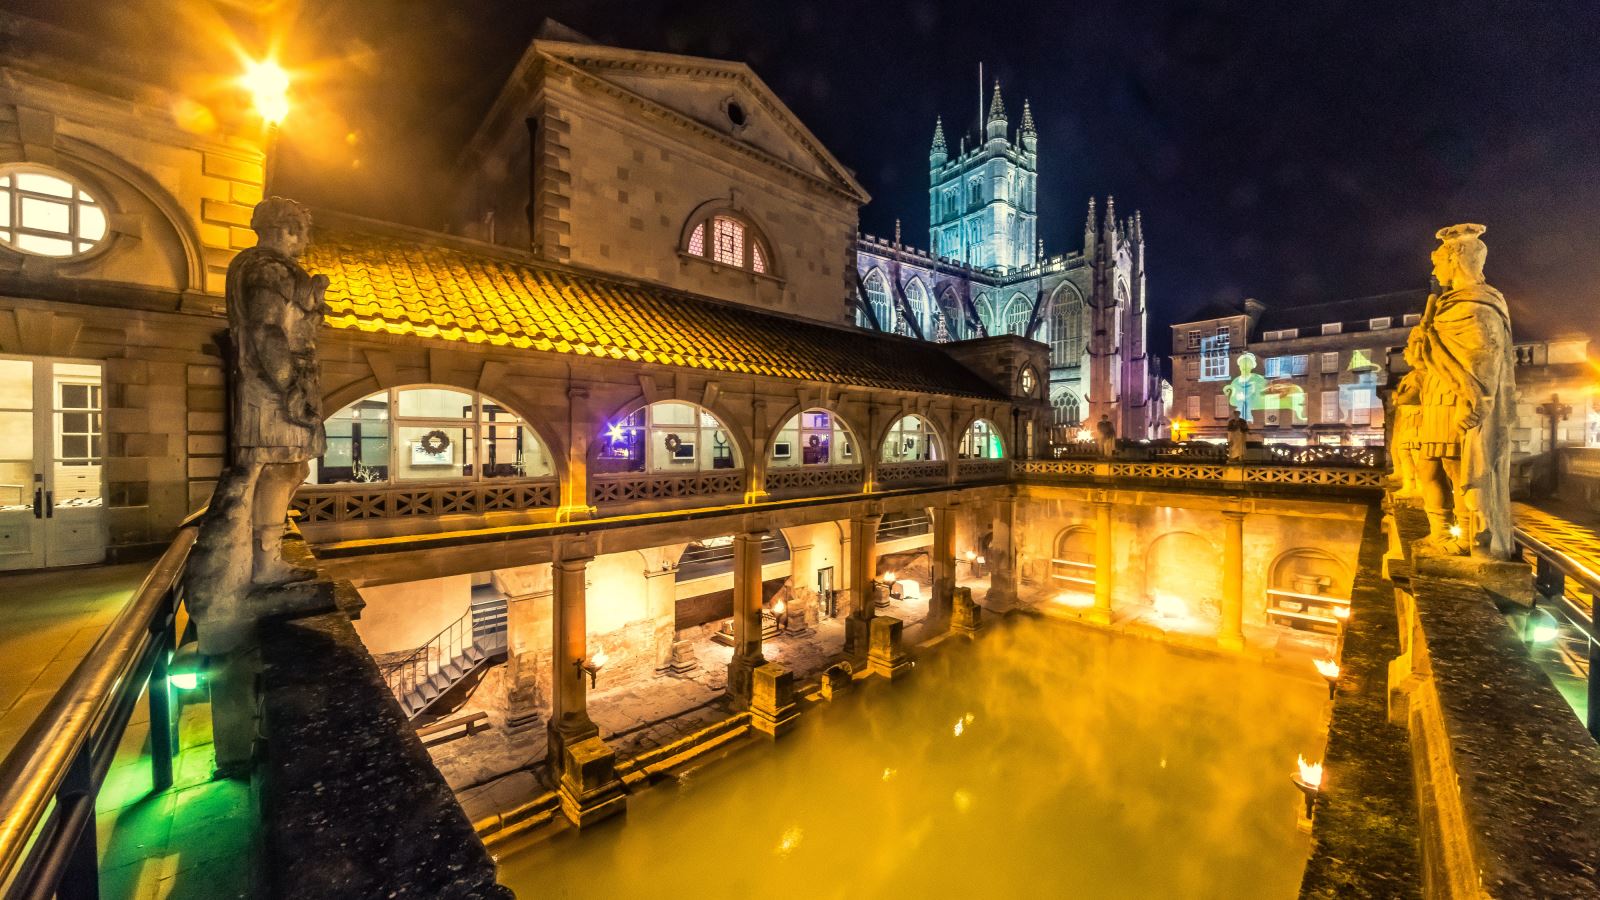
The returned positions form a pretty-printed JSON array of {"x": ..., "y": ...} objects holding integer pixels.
[
  {"x": 1214, "y": 357},
  {"x": 815, "y": 437},
  {"x": 729, "y": 240},
  {"x": 428, "y": 434},
  {"x": 982, "y": 441},
  {"x": 666, "y": 437},
  {"x": 43, "y": 213},
  {"x": 910, "y": 439},
  {"x": 1066, "y": 331}
]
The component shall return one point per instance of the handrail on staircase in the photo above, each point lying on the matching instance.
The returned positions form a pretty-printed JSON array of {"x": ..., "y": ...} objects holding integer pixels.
[{"x": 418, "y": 666}]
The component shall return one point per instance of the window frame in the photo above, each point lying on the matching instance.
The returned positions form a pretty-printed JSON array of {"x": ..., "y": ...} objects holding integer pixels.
[
  {"x": 754, "y": 247},
  {"x": 82, "y": 193}
]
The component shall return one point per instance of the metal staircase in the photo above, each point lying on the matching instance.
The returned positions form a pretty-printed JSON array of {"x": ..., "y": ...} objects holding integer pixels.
[{"x": 467, "y": 646}]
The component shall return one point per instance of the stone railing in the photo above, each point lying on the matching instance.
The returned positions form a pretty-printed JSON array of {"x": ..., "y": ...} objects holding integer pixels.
[
  {"x": 1323, "y": 455},
  {"x": 901, "y": 473},
  {"x": 814, "y": 479},
  {"x": 975, "y": 469},
  {"x": 351, "y": 502},
  {"x": 627, "y": 487},
  {"x": 1221, "y": 474}
]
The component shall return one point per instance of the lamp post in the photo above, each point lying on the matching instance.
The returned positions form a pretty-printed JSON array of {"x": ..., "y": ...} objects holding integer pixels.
[
  {"x": 1555, "y": 411},
  {"x": 592, "y": 666}
]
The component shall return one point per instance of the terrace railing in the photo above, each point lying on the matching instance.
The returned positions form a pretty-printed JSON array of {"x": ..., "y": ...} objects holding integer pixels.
[
  {"x": 905, "y": 473},
  {"x": 625, "y": 487},
  {"x": 1553, "y": 567},
  {"x": 50, "y": 779},
  {"x": 351, "y": 502},
  {"x": 802, "y": 480}
]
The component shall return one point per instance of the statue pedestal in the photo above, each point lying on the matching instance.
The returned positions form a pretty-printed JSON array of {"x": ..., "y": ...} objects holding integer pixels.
[{"x": 1507, "y": 581}]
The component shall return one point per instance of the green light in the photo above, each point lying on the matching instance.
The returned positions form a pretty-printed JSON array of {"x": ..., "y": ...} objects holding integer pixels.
[
  {"x": 184, "y": 681},
  {"x": 187, "y": 669}
]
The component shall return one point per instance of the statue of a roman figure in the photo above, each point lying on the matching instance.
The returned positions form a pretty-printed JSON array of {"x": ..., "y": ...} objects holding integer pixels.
[
  {"x": 1406, "y": 405},
  {"x": 1106, "y": 437},
  {"x": 274, "y": 311},
  {"x": 1466, "y": 385}
]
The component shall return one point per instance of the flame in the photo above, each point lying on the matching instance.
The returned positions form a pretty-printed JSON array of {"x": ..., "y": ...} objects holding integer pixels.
[
  {"x": 972, "y": 555},
  {"x": 961, "y": 725},
  {"x": 1310, "y": 773},
  {"x": 888, "y": 577},
  {"x": 1327, "y": 668},
  {"x": 778, "y": 607},
  {"x": 268, "y": 84},
  {"x": 599, "y": 658},
  {"x": 1341, "y": 612},
  {"x": 1455, "y": 531}
]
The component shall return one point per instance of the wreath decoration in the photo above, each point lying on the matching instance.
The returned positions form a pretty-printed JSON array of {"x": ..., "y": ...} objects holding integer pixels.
[
  {"x": 435, "y": 442},
  {"x": 674, "y": 442},
  {"x": 816, "y": 439}
]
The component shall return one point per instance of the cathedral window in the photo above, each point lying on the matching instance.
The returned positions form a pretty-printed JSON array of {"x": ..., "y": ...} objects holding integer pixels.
[
  {"x": 917, "y": 302},
  {"x": 729, "y": 240},
  {"x": 1066, "y": 410},
  {"x": 43, "y": 214},
  {"x": 1066, "y": 331},
  {"x": 877, "y": 291},
  {"x": 1017, "y": 315},
  {"x": 975, "y": 192}
]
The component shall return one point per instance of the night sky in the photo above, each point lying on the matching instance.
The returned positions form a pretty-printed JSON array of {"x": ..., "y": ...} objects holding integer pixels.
[{"x": 1295, "y": 152}]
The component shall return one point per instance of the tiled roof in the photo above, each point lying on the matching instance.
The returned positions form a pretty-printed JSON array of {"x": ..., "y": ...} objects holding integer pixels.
[
  {"x": 1359, "y": 309},
  {"x": 410, "y": 285}
]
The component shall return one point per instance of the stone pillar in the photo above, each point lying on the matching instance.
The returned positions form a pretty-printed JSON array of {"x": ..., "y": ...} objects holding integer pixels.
[
  {"x": 863, "y": 573},
  {"x": 943, "y": 557},
  {"x": 773, "y": 710},
  {"x": 584, "y": 767},
  {"x": 527, "y": 590},
  {"x": 967, "y": 616},
  {"x": 1230, "y": 631},
  {"x": 746, "y": 617},
  {"x": 756, "y": 471},
  {"x": 661, "y": 600},
  {"x": 1002, "y": 556},
  {"x": 869, "y": 451},
  {"x": 887, "y": 656},
  {"x": 575, "y": 484},
  {"x": 1105, "y": 563}
]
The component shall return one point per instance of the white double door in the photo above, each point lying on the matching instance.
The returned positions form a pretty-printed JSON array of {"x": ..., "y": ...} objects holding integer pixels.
[{"x": 52, "y": 443}]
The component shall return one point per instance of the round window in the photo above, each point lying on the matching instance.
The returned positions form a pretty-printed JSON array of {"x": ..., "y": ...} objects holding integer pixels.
[
  {"x": 1027, "y": 382},
  {"x": 44, "y": 214},
  {"x": 736, "y": 114}
]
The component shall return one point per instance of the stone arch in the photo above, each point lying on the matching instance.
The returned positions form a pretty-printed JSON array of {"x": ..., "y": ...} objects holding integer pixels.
[
  {"x": 1183, "y": 570},
  {"x": 1309, "y": 570},
  {"x": 1072, "y": 563},
  {"x": 928, "y": 427},
  {"x": 728, "y": 423},
  {"x": 965, "y": 431},
  {"x": 758, "y": 256},
  {"x": 796, "y": 409}
]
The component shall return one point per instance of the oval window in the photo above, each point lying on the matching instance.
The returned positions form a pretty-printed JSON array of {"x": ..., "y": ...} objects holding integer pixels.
[{"x": 44, "y": 214}]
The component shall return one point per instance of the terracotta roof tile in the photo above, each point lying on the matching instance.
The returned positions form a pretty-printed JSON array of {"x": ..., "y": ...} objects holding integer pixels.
[{"x": 401, "y": 285}]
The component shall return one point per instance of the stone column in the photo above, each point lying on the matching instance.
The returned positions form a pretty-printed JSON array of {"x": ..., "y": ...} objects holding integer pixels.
[
  {"x": 1105, "y": 563},
  {"x": 1002, "y": 556},
  {"x": 1230, "y": 631},
  {"x": 863, "y": 572},
  {"x": 575, "y": 486},
  {"x": 527, "y": 590},
  {"x": 584, "y": 767},
  {"x": 746, "y": 617},
  {"x": 803, "y": 599},
  {"x": 943, "y": 557},
  {"x": 661, "y": 600},
  {"x": 756, "y": 471}
]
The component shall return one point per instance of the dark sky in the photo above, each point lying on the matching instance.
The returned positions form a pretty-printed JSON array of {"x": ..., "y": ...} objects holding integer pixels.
[{"x": 1292, "y": 151}]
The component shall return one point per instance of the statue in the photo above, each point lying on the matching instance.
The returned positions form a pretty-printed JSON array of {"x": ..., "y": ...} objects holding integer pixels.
[
  {"x": 1246, "y": 390},
  {"x": 1238, "y": 438},
  {"x": 1406, "y": 405},
  {"x": 1106, "y": 436},
  {"x": 274, "y": 311},
  {"x": 1467, "y": 403}
]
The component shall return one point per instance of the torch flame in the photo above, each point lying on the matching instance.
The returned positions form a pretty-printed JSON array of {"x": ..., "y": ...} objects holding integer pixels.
[
  {"x": 268, "y": 84},
  {"x": 778, "y": 607},
  {"x": 1341, "y": 612},
  {"x": 888, "y": 577},
  {"x": 1310, "y": 773},
  {"x": 1327, "y": 668},
  {"x": 599, "y": 658}
]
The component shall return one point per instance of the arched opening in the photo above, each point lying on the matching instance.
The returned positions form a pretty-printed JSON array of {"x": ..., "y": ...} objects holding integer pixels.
[
  {"x": 1183, "y": 576},
  {"x": 666, "y": 437},
  {"x": 1066, "y": 328},
  {"x": 1309, "y": 571},
  {"x": 876, "y": 287},
  {"x": 728, "y": 239},
  {"x": 1072, "y": 561},
  {"x": 988, "y": 316},
  {"x": 815, "y": 437},
  {"x": 910, "y": 439},
  {"x": 981, "y": 441},
  {"x": 425, "y": 433},
  {"x": 1018, "y": 311}
]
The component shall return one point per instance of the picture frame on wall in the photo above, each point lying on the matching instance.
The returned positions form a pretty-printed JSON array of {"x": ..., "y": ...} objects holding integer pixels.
[{"x": 782, "y": 450}]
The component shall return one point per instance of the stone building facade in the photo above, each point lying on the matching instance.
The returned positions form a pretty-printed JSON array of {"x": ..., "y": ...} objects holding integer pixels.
[{"x": 986, "y": 274}]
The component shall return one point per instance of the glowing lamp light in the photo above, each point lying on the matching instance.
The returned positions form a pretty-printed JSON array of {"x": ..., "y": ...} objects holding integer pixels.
[
  {"x": 1545, "y": 626},
  {"x": 972, "y": 556},
  {"x": 593, "y": 665},
  {"x": 778, "y": 608},
  {"x": 961, "y": 725},
  {"x": 1455, "y": 531},
  {"x": 187, "y": 670},
  {"x": 1328, "y": 669},
  {"x": 1341, "y": 612},
  {"x": 268, "y": 84},
  {"x": 1308, "y": 779},
  {"x": 887, "y": 578}
]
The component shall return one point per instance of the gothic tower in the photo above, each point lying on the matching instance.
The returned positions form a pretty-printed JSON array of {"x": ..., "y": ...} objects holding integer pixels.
[{"x": 982, "y": 203}]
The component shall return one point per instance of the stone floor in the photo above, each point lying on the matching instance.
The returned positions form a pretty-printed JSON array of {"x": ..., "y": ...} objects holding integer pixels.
[
  {"x": 194, "y": 840},
  {"x": 48, "y": 621},
  {"x": 493, "y": 770}
]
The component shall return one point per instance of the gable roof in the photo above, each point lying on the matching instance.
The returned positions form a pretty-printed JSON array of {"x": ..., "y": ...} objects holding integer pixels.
[
  {"x": 400, "y": 281},
  {"x": 594, "y": 62}
]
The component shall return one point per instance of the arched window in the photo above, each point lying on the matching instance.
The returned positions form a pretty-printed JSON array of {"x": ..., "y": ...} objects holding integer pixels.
[
  {"x": 917, "y": 301},
  {"x": 666, "y": 436},
  {"x": 815, "y": 437},
  {"x": 910, "y": 439},
  {"x": 428, "y": 434},
  {"x": 44, "y": 214},
  {"x": 1066, "y": 329},
  {"x": 877, "y": 290},
  {"x": 1018, "y": 311},
  {"x": 988, "y": 316},
  {"x": 982, "y": 441},
  {"x": 1065, "y": 408},
  {"x": 951, "y": 324},
  {"x": 975, "y": 192},
  {"x": 729, "y": 240}
]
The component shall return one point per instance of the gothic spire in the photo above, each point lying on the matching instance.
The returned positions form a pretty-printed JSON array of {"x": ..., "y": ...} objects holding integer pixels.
[
  {"x": 997, "y": 108},
  {"x": 1090, "y": 229},
  {"x": 938, "y": 135},
  {"x": 1027, "y": 118}
]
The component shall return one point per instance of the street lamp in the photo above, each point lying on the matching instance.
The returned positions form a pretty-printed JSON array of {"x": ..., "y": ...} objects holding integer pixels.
[
  {"x": 592, "y": 665},
  {"x": 268, "y": 85}
]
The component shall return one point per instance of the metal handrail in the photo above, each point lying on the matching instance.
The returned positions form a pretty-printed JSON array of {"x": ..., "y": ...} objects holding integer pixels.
[
  {"x": 65, "y": 754},
  {"x": 1570, "y": 567},
  {"x": 402, "y": 675}
]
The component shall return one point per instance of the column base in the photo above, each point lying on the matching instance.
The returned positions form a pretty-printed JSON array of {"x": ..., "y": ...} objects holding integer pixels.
[
  {"x": 857, "y": 635},
  {"x": 1230, "y": 643},
  {"x": 741, "y": 678},
  {"x": 887, "y": 656},
  {"x": 682, "y": 661},
  {"x": 1099, "y": 615},
  {"x": 773, "y": 710},
  {"x": 590, "y": 790},
  {"x": 966, "y": 616}
]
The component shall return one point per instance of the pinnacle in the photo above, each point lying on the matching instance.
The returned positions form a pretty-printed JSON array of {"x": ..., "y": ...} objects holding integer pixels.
[
  {"x": 938, "y": 133},
  {"x": 1027, "y": 118},
  {"x": 997, "y": 108}
]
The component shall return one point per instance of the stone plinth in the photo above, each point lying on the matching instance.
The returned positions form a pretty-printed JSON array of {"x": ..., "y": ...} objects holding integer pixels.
[
  {"x": 857, "y": 635},
  {"x": 590, "y": 790},
  {"x": 886, "y": 655},
  {"x": 966, "y": 616},
  {"x": 741, "y": 679},
  {"x": 1507, "y": 581},
  {"x": 773, "y": 710}
]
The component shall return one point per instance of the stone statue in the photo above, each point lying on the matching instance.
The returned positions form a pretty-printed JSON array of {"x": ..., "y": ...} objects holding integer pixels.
[
  {"x": 274, "y": 311},
  {"x": 1238, "y": 438},
  {"x": 1106, "y": 436},
  {"x": 1467, "y": 403},
  {"x": 1406, "y": 405},
  {"x": 1246, "y": 390}
]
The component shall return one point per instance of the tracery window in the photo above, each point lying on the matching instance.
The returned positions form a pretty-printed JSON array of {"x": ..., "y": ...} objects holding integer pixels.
[
  {"x": 917, "y": 301},
  {"x": 877, "y": 291},
  {"x": 1066, "y": 331},
  {"x": 729, "y": 241},
  {"x": 44, "y": 214},
  {"x": 1017, "y": 314},
  {"x": 1066, "y": 409},
  {"x": 815, "y": 437},
  {"x": 975, "y": 192},
  {"x": 428, "y": 434}
]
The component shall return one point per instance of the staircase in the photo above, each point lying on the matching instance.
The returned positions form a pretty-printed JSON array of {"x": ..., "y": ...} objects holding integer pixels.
[{"x": 470, "y": 644}]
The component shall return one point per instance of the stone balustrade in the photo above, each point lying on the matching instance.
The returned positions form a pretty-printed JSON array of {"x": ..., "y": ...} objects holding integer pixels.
[
  {"x": 628, "y": 487},
  {"x": 906, "y": 473},
  {"x": 351, "y": 502},
  {"x": 804, "y": 480}
]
